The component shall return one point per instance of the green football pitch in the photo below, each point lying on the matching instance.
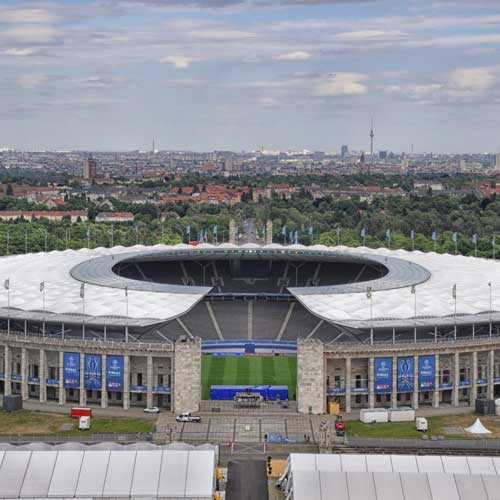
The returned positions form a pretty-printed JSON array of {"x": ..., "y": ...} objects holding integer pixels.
[{"x": 248, "y": 370}]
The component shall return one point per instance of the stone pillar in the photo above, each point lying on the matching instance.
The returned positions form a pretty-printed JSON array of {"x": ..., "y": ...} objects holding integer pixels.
[
  {"x": 83, "y": 394},
  {"x": 371, "y": 383},
  {"x": 104, "y": 388},
  {"x": 149, "y": 381},
  {"x": 415, "y": 383},
  {"x": 7, "y": 371},
  {"x": 62, "y": 389},
  {"x": 394, "y": 393},
  {"x": 126, "y": 382},
  {"x": 435, "y": 396},
  {"x": 43, "y": 376},
  {"x": 347, "y": 384},
  {"x": 24, "y": 374},
  {"x": 473, "y": 369},
  {"x": 491, "y": 374},
  {"x": 311, "y": 393},
  {"x": 456, "y": 379}
]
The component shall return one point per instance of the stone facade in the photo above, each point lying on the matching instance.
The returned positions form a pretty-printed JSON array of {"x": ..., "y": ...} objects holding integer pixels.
[
  {"x": 311, "y": 377},
  {"x": 187, "y": 376}
]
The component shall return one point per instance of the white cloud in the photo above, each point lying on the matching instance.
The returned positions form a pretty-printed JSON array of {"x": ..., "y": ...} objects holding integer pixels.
[
  {"x": 31, "y": 81},
  {"x": 367, "y": 35},
  {"x": 26, "y": 16},
  {"x": 31, "y": 33},
  {"x": 474, "y": 80},
  {"x": 17, "y": 52},
  {"x": 297, "y": 55},
  {"x": 221, "y": 34},
  {"x": 180, "y": 62},
  {"x": 341, "y": 84}
]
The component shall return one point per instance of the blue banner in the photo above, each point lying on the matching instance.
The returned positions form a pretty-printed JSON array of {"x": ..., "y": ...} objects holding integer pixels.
[
  {"x": 114, "y": 373},
  {"x": 71, "y": 370},
  {"x": 406, "y": 374},
  {"x": 92, "y": 371},
  {"x": 383, "y": 375},
  {"x": 426, "y": 372}
]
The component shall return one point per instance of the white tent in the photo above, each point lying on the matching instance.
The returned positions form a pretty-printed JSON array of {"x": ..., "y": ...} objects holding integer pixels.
[{"x": 477, "y": 428}]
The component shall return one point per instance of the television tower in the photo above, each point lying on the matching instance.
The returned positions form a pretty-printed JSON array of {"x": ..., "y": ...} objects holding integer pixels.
[{"x": 372, "y": 135}]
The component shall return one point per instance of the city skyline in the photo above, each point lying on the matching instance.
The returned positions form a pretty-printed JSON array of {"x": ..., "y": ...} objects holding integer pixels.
[{"x": 230, "y": 75}]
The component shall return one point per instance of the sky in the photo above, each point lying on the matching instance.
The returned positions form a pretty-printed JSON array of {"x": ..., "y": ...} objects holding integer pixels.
[{"x": 208, "y": 75}]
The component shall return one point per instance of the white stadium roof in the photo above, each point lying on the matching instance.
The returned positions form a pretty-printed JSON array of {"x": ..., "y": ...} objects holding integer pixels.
[{"x": 392, "y": 301}]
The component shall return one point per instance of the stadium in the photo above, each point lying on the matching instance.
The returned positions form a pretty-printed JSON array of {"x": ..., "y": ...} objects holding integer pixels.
[{"x": 161, "y": 325}]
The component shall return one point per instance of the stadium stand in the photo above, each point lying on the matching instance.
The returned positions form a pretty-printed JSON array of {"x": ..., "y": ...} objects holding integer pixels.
[{"x": 268, "y": 318}]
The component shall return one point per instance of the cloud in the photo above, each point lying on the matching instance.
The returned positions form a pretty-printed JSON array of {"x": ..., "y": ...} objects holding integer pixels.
[
  {"x": 367, "y": 35},
  {"x": 297, "y": 55},
  {"x": 180, "y": 62},
  {"x": 31, "y": 81},
  {"x": 31, "y": 33},
  {"x": 18, "y": 52},
  {"x": 221, "y": 34},
  {"x": 342, "y": 84},
  {"x": 26, "y": 16}
]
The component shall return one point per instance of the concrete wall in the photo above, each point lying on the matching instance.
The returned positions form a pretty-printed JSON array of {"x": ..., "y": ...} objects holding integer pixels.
[
  {"x": 311, "y": 377},
  {"x": 187, "y": 376}
]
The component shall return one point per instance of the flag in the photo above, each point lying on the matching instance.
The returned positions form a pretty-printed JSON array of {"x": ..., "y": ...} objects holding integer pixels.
[
  {"x": 290, "y": 236},
  {"x": 205, "y": 237},
  {"x": 42, "y": 286},
  {"x": 338, "y": 231},
  {"x": 388, "y": 232},
  {"x": 188, "y": 229},
  {"x": 413, "y": 289},
  {"x": 454, "y": 237},
  {"x": 454, "y": 291},
  {"x": 283, "y": 231},
  {"x": 412, "y": 234},
  {"x": 434, "y": 235},
  {"x": 82, "y": 290},
  {"x": 369, "y": 292},
  {"x": 200, "y": 236},
  {"x": 214, "y": 230},
  {"x": 474, "y": 238},
  {"x": 6, "y": 284},
  {"x": 126, "y": 291},
  {"x": 493, "y": 241},
  {"x": 363, "y": 233},
  {"x": 296, "y": 237},
  {"x": 88, "y": 233},
  {"x": 310, "y": 230}
]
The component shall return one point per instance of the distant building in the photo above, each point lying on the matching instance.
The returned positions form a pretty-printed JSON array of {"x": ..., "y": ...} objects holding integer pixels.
[
  {"x": 74, "y": 215},
  {"x": 90, "y": 168},
  {"x": 497, "y": 162},
  {"x": 382, "y": 155},
  {"x": 344, "y": 152},
  {"x": 115, "y": 217}
]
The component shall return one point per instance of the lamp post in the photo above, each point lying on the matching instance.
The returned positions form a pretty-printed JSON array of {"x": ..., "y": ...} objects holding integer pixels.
[
  {"x": 454, "y": 295},
  {"x": 489, "y": 286},
  {"x": 7, "y": 287},
  {"x": 369, "y": 296},
  {"x": 25, "y": 241},
  {"x": 126, "y": 314},
  {"x": 414, "y": 292},
  {"x": 82, "y": 296}
]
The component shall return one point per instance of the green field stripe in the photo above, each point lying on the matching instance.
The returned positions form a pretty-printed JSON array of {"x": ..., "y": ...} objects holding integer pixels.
[
  {"x": 243, "y": 371},
  {"x": 268, "y": 371}
]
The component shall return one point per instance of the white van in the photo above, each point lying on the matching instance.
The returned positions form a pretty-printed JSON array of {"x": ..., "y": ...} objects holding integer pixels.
[
  {"x": 84, "y": 423},
  {"x": 421, "y": 424}
]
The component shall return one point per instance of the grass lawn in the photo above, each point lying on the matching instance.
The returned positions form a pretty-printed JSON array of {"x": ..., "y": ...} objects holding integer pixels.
[
  {"x": 437, "y": 427},
  {"x": 26, "y": 422},
  {"x": 248, "y": 370}
]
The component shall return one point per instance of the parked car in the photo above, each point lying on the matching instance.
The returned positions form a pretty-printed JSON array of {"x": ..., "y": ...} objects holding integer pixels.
[
  {"x": 188, "y": 417},
  {"x": 152, "y": 409}
]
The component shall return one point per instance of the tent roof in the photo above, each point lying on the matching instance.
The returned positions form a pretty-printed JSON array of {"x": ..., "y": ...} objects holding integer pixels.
[{"x": 477, "y": 428}]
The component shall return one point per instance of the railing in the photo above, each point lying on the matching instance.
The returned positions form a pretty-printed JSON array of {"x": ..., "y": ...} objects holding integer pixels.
[
  {"x": 80, "y": 438},
  {"x": 98, "y": 343},
  {"x": 383, "y": 344}
]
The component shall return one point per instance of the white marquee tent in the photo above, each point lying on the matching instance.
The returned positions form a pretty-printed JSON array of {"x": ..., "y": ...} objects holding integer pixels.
[{"x": 167, "y": 474}]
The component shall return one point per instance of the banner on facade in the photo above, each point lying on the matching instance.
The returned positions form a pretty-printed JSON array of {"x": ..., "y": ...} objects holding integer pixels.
[
  {"x": 426, "y": 372},
  {"x": 406, "y": 374},
  {"x": 114, "y": 373},
  {"x": 383, "y": 375},
  {"x": 92, "y": 372},
  {"x": 71, "y": 370}
]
